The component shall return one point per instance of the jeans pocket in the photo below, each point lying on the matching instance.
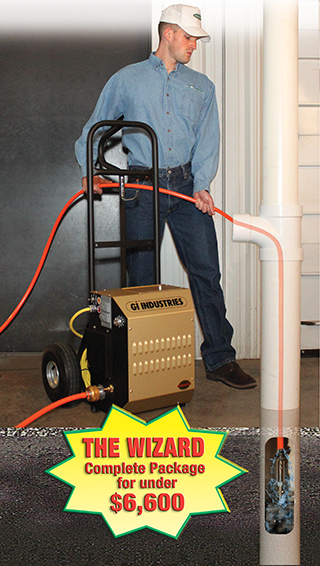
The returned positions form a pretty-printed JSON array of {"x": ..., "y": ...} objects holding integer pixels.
[
  {"x": 188, "y": 175},
  {"x": 131, "y": 195}
]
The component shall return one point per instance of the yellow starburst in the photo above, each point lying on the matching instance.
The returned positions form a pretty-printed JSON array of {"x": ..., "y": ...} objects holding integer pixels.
[{"x": 146, "y": 475}]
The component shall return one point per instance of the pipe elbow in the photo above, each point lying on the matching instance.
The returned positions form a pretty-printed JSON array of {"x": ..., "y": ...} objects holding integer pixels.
[
  {"x": 278, "y": 228},
  {"x": 254, "y": 229}
]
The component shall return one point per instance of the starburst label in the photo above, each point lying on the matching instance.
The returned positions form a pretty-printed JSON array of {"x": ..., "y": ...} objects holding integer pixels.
[{"x": 146, "y": 475}]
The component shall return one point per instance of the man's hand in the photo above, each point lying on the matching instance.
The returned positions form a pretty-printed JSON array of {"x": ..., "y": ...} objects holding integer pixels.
[
  {"x": 204, "y": 202},
  {"x": 96, "y": 182}
]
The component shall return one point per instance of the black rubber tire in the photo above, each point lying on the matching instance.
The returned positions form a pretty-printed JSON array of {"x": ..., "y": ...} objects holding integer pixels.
[{"x": 61, "y": 373}]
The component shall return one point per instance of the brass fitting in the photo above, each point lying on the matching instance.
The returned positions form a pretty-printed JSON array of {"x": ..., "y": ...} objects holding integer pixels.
[
  {"x": 98, "y": 392},
  {"x": 93, "y": 393}
]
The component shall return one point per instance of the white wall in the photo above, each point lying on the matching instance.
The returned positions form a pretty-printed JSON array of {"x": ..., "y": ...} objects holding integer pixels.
[{"x": 309, "y": 130}]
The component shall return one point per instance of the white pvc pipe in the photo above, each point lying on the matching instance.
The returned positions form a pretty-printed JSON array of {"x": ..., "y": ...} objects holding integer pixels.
[
  {"x": 280, "y": 215},
  {"x": 280, "y": 192},
  {"x": 280, "y": 102},
  {"x": 285, "y": 226}
]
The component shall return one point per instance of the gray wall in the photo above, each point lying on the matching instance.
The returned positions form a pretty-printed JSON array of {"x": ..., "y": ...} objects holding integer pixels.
[{"x": 48, "y": 88}]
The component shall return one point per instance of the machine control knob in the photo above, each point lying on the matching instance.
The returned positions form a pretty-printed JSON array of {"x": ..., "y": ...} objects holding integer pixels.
[{"x": 119, "y": 321}]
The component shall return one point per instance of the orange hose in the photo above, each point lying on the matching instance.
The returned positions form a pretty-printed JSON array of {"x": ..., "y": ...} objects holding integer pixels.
[
  {"x": 41, "y": 263},
  {"x": 54, "y": 405},
  {"x": 281, "y": 324},
  {"x": 193, "y": 200}
]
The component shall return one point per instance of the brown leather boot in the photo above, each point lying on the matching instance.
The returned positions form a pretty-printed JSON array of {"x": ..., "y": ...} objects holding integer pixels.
[{"x": 232, "y": 375}]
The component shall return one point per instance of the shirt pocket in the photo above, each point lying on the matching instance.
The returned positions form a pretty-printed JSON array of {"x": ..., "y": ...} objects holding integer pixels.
[{"x": 192, "y": 103}]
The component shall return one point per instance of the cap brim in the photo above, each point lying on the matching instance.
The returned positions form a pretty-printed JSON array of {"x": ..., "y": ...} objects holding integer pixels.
[{"x": 197, "y": 32}]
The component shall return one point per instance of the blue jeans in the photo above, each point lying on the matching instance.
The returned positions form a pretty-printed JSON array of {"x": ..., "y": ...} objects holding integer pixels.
[{"x": 195, "y": 238}]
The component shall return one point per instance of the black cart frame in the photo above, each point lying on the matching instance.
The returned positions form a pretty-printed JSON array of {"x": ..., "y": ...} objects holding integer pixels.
[{"x": 102, "y": 167}]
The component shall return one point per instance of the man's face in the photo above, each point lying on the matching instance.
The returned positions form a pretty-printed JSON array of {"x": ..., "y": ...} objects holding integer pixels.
[{"x": 181, "y": 46}]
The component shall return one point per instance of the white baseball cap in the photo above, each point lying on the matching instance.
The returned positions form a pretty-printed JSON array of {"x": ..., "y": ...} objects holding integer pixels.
[{"x": 186, "y": 17}]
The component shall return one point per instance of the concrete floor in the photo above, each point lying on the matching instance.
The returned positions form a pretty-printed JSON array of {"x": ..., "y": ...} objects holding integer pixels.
[{"x": 213, "y": 404}]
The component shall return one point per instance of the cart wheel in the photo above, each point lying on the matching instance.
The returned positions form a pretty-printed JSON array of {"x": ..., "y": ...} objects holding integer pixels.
[{"x": 61, "y": 372}]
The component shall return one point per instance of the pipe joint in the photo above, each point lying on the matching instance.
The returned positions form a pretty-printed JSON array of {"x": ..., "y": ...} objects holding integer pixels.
[
  {"x": 282, "y": 223},
  {"x": 254, "y": 229}
]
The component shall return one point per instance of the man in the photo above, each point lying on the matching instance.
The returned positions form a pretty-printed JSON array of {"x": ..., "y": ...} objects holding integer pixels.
[{"x": 180, "y": 105}]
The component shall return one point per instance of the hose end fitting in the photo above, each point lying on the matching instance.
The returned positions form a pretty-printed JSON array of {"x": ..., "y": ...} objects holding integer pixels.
[
  {"x": 98, "y": 392},
  {"x": 95, "y": 393}
]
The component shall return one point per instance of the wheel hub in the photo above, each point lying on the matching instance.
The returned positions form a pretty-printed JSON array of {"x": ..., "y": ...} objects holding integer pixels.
[{"x": 52, "y": 373}]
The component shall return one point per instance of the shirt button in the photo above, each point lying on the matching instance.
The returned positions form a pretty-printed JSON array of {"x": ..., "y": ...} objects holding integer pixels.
[
  {"x": 169, "y": 130},
  {"x": 167, "y": 95},
  {"x": 169, "y": 148},
  {"x": 167, "y": 112}
]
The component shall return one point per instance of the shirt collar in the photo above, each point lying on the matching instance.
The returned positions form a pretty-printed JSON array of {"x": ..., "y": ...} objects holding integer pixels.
[{"x": 157, "y": 63}]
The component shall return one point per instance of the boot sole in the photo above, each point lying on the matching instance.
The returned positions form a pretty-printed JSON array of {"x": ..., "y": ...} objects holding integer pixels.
[{"x": 230, "y": 384}]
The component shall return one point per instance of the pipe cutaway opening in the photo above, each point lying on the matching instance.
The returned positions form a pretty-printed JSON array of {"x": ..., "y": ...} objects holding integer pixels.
[{"x": 279, "y": 486}]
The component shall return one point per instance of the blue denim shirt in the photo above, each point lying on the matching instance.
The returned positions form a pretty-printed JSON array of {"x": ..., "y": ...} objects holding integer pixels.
[{"x": 181, "y": 107}]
